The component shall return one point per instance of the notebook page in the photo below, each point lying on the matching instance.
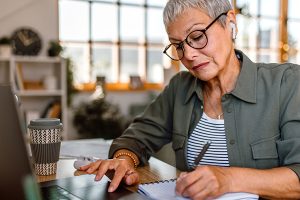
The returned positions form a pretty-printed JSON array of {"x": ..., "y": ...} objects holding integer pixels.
[
  {"x": 166, "y": 190},
  {"x": 160, "y": 190}
]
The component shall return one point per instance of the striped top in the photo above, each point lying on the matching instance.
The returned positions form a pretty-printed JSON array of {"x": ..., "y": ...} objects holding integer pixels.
[{"x": 212, "y": 130}]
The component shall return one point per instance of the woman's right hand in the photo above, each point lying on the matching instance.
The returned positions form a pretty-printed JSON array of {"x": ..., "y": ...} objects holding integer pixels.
[{"x": 124, "y": 171}]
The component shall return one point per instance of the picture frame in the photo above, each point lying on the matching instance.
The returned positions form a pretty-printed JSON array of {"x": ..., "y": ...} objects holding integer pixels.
[
  {"x": 100, "y": 80},
  {"x": 135, "y": 82}
]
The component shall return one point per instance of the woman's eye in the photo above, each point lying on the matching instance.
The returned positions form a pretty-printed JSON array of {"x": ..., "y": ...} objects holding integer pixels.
[{"x": 198, "y": 37}]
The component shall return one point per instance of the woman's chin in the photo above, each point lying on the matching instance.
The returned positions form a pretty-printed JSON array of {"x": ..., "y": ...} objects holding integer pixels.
[{"x": 203, "y": 76}]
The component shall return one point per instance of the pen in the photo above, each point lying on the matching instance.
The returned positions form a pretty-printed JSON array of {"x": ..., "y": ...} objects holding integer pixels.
[{"x": 201, "y": 154}]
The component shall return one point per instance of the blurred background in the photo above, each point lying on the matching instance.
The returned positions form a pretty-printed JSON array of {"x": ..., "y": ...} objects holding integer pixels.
[{"x": 98, "y": 63}]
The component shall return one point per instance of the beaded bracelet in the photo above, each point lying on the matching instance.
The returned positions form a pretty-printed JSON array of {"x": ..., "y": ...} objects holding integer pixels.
[{"x": 129, "y": 155}]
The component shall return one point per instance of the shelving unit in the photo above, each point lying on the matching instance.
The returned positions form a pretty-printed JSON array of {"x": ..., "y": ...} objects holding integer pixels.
[{"x": 26, "y": 74}]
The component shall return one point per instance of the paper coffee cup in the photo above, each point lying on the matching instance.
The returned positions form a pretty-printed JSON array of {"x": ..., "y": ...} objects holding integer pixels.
[{"x": 45, "y": 140}]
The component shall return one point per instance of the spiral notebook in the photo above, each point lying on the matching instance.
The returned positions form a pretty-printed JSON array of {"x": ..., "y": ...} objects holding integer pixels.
[{"x": 166, "y": 190}]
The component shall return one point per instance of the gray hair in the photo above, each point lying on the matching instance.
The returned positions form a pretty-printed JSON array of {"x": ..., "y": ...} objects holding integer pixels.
[{"x": 212, "y": 8}]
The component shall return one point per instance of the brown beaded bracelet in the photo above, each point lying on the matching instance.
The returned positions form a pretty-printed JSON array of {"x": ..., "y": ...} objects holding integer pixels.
[{"x": 129, "y": 155}]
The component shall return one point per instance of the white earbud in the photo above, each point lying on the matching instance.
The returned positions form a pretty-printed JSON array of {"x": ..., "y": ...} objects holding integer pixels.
[{"x": 233, "y": 30}]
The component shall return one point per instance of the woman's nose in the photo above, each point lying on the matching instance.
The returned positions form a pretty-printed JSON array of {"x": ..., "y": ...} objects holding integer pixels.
[{"x": 189, "y": 52}]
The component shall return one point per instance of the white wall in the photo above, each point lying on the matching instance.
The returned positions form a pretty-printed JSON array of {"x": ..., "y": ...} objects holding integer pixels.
[{"x": 40, "y": 15}]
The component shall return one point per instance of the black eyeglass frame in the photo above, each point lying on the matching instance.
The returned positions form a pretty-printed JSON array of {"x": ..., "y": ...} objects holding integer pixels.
[{"x": 180, "y": 44}]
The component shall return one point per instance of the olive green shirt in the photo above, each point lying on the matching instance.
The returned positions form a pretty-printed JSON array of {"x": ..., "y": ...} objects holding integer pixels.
[{"x": 261, "y": 117}]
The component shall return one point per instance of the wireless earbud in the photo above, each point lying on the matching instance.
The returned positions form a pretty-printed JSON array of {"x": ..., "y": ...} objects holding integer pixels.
[{"x": 233, "y": 30}]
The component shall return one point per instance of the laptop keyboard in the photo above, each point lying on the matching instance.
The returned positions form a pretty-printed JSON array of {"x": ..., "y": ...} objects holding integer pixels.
[{"x": 55, "y": 192}]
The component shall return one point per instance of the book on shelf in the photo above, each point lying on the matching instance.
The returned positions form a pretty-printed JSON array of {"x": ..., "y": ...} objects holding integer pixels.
[
  {"x": 55, "y": 111},
  {"x": 166, "y": 190},
  {"x": 33, "y": 85},
  {"x": 135, "y": 82}
]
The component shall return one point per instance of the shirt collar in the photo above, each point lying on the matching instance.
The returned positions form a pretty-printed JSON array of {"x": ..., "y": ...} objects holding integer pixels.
[
  {"x": 195, "y": 88},
  {"x": 245, "y": 88}
]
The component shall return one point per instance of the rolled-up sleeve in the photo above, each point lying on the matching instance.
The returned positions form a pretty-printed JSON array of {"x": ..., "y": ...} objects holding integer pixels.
[
  {"x": 289, "y": 145},
  {"x": 152, "y": 129}
]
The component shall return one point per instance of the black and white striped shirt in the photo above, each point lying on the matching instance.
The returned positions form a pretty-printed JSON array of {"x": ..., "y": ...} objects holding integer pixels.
[{"x": 212, "y": 130}]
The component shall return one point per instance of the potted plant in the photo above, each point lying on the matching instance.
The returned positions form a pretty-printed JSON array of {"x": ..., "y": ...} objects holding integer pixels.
[
  {"x": 99, "y": 119},
  {"x": 5, "y": 47},
  {"x": 54, "y": 48}
]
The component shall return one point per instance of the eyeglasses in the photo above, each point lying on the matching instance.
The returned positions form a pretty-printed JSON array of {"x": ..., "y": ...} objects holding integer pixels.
[{"x": 196, "y": 39}]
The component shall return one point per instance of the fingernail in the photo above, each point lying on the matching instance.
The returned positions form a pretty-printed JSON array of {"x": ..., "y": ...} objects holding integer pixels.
[{"x": 111, "y": 188}]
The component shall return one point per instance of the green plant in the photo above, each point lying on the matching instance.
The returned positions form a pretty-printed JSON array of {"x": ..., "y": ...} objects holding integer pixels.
[
  {"x": 99, "y": 119},
  {"x": 5, "y": 40},
  {"x": 54, "y": 48}
]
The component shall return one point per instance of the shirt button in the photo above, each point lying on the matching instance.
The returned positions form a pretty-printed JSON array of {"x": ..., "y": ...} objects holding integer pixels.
[
  {"x": 229, "y": 110},
  {"x": 232, "y": 142}
]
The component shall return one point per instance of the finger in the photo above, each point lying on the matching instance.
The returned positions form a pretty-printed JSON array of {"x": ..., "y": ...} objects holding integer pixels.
[
  {"x": 185, "y": 181},
  {"x": 104, "y": 167},
  {"x": 201, "y": 194},
  {"x": 85, "y": 167},
  {"x": 115, "y": 182},
  {"x": 197, "y": 188},
  {"x": 131, "y": 178},
  {"x": 181, "y": 175},
  {"x": 92, "y": 167}
]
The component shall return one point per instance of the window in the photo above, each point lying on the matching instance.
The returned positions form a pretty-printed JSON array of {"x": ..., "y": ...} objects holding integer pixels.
[
  {"x": 293, "y": 47},
  {"x": 258, "y": 26},
  {"x": 122, "y": 38},
  {"x": 113, "y": 38}
]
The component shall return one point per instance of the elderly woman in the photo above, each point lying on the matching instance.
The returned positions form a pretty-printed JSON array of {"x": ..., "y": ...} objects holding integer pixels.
[{"x": 248, "y": 112}]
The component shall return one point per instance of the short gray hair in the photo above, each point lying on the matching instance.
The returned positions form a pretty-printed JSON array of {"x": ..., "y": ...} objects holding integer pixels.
[{"x": 212, "y": 8}]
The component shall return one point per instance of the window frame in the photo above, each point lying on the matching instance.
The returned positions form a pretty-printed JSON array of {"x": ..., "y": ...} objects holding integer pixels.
[
  {"x": 119, "y": 44},
  {"x": 281, "y": 52}
]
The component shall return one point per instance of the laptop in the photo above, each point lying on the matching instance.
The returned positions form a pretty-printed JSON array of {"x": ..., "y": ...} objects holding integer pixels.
[{"x": 16, "y": 178}]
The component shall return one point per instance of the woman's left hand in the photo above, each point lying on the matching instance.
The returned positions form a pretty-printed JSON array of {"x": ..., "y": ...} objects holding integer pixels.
[{"x": 204, "y": 182}]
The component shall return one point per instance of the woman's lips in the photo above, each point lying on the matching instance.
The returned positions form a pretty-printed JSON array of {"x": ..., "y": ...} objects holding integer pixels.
[{"x": 201, "y": 65}]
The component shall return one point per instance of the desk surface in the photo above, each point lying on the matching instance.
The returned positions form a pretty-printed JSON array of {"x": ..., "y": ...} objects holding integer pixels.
[{"x": 156, "y": 170}]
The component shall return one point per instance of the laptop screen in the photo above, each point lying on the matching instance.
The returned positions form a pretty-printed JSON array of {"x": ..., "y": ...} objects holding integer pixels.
[{"x": 14, "y": 167}]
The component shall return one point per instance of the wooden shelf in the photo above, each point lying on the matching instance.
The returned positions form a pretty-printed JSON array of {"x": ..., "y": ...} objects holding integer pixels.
[
  {"x": 27, "y": 75},
  {"x": 39, "y": 93},
  {"x": 36, "y": 59},
  {"x": 4, "y": 59},
  {"x": 119, "y": 87}
]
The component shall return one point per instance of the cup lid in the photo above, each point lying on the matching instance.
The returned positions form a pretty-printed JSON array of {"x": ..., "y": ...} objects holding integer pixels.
[{"x": 45, "y": 123}]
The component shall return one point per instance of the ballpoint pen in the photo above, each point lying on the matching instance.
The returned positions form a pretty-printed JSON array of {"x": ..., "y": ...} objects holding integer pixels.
[{"x": 201, "y": 154}]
